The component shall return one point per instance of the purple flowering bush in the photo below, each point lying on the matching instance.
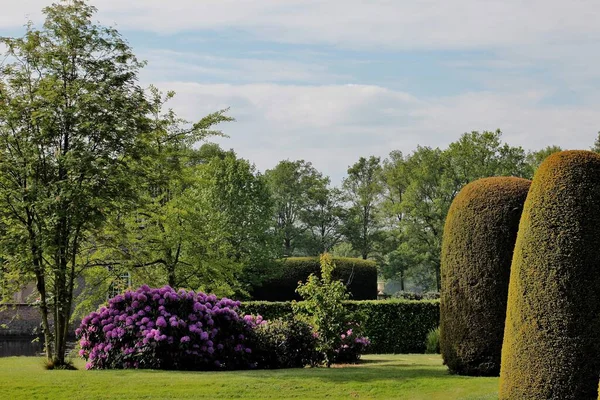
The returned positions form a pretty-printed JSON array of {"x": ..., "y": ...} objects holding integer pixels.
[
  {"x": 352, "y": 345},
  {"x": 165, "y": 329}
]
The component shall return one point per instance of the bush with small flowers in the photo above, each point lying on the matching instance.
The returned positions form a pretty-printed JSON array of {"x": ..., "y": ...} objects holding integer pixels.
[
  {"x": 165, "y": 329},
  {"x": 352, "y": 345}
]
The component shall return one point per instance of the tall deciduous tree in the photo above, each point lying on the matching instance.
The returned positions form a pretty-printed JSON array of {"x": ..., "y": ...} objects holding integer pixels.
[
  {"x": 596, "y": 147},
  {"x": 292, "y": 185},
  {"x": 363, "y": 190},
  {"x": 70, "y": 114},
  {"x": 157, "y": 232},
  {"x": 435, "y": 176},
  {"x": 322, "y": 218},
  {"x": 535, "y": 158},
  {"x": 231, "y": 233}
]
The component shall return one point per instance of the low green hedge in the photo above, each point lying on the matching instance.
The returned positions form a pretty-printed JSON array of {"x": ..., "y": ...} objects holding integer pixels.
[
  {"x": 393, "y": 326},
  {"x": 359, "y": 275}
]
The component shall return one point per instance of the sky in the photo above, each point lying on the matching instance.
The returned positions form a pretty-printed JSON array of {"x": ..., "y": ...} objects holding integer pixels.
[{"x": 331, "y": 81}]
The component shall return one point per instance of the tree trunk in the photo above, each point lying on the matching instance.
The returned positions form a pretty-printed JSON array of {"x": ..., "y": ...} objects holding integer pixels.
[
  {"x": 41, "y": 287},
  {"x": 402, "y": 281},
  {"x": 171, "y": 278},
  {"x": 287, "y": 242}
]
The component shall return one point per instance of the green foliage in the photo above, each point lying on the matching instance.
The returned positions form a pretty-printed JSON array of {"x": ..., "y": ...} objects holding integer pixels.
[
  {"x": 392, "y": 326},
  {"x": 295, "y": 186},
  {"x": 231, "y": 228},
  {"x": 418, "y": 191},
  {"x": 551, "y": 348},
  {"x": 268, "y": 310},
  {"x": 344, "y": 249},
  {"x": 285, "y": 343},
  {"x": 479, "y": 238},
  {"x": 535, "y": 158},
  {"x": 416, "y": 296},
  {"x": 71, "y": 121},
  {"x": 323, "y": 307},
  {"x": 396, "y": 326},
  {"x": 157, "y": 240},
  {"x": 322, "y": 219},
  {"x": 596, "y": 147},
  {"x": 363, "y": 189},
  {"x": 360, "y": 277},
  {"x": 432, "y": 344}
]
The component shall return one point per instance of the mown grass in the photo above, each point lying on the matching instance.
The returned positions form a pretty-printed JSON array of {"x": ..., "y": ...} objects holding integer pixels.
[{"x": 415, "y": 376}]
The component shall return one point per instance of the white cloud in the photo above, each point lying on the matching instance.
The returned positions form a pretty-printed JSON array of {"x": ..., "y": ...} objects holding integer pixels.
[
  {"x": 410, "y": 24},
  {"x": 166, "y": 63},
  {"x": 333, "y": 125}
]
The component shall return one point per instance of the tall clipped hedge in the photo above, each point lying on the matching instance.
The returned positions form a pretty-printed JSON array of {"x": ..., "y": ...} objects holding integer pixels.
[
  {"x": 551, "y": 344},
  {"x": 477, "y": 248},
  {"x": 393, "y": 326},
  {"x": 361, "y": 276}
]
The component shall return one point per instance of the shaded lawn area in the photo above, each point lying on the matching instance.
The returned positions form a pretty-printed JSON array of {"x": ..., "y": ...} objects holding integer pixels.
[{"x": 414, "y": 376}]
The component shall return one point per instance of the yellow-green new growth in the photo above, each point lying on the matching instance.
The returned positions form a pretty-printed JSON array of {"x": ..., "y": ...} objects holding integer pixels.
[
  {"x": 479, "y": 238},
  {"x": 551, "y": 348}
]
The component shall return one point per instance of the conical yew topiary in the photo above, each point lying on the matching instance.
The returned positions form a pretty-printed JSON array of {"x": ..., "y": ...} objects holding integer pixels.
[
  {"x": 479, "y": 238},
  {"x": 551, "y": 341}
]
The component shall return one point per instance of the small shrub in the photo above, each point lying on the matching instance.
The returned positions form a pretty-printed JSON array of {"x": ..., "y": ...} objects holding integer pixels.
[
  {"x": 285, "y": 343},
  {"x": 164, "y": 329},
  {"x": 416, "y": 296},
  {"x": 352, "y": 345},
  {"x": 432, "y": 345},
  {"x": 324, "y": 308}
]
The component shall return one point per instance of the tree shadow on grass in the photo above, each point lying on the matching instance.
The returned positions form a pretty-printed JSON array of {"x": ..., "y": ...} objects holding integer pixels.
[
  {"x": 354, "y": 373},
  {"x": 370, "y": 361}
]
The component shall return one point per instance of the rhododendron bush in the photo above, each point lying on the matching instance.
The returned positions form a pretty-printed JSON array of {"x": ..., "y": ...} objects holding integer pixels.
[
  {"x": 165, "y": 329},
  {"x": 353, "y": 344}
]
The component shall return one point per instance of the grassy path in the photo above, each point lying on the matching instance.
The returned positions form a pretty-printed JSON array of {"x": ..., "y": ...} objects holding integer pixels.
[{"x": 413, "y": 377}]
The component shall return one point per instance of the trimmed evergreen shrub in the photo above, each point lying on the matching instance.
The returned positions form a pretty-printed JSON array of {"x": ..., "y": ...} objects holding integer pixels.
[
  {"x": 392, "y": 326},
  {"x": 267, "y": 309},
  {"x": 551, "y": 348},
  {"x": 477, "y": 248},
  {"x": 359, "y": 275}
]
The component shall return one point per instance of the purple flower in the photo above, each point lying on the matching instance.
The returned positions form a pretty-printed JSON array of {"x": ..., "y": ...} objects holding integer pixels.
[
  {"x": 185, "y": 339},
  {"x": 160, "y": 321}
]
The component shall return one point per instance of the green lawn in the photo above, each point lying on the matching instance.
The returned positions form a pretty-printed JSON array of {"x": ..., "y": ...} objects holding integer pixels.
[{"x": 413, "y": 377}]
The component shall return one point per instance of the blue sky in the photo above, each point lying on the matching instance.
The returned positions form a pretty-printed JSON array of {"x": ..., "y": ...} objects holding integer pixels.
[{"x": 330, "y": 81}]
